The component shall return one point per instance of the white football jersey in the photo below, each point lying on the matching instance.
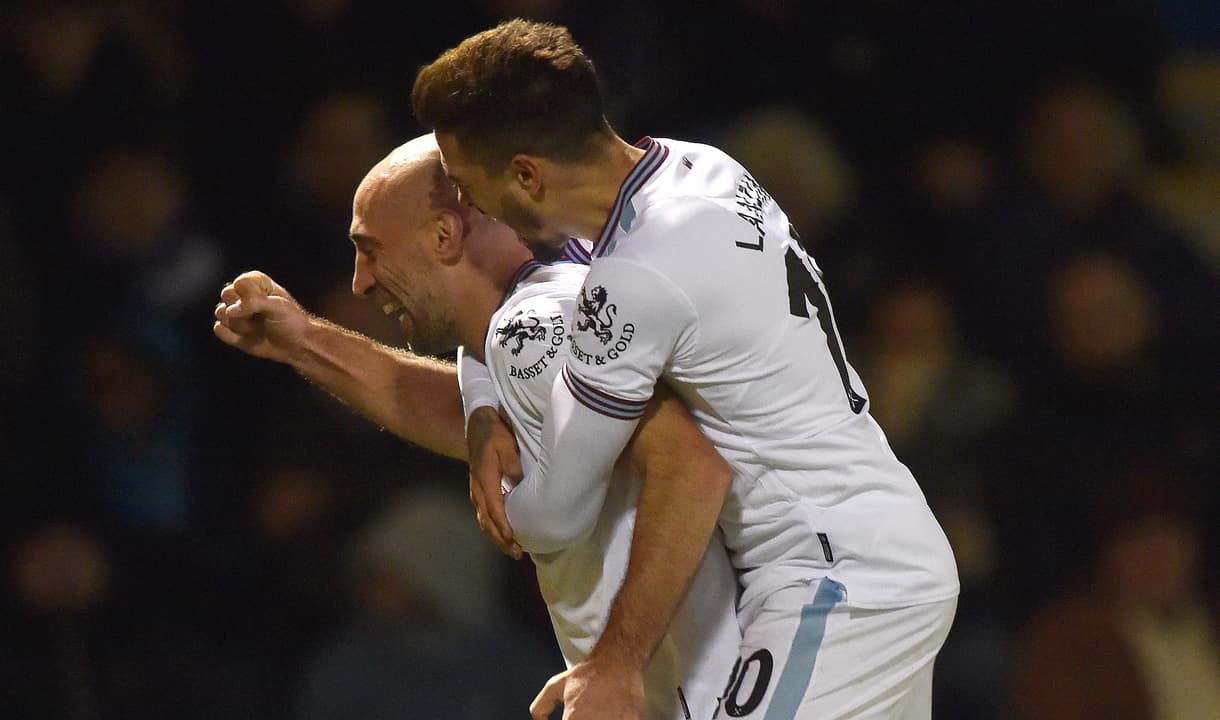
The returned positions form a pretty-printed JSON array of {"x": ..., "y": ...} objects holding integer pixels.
[
  {"x": 525, "y": 348},
  {"x": 699, "y": 278}
]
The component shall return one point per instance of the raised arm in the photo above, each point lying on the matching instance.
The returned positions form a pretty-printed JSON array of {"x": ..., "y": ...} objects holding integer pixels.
[{"x": 416, "y": 398}]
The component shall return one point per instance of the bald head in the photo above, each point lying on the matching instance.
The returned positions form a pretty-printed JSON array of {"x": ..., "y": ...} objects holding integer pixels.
[
  {"x": 438, "y": 265},
  {"x": 409, "y": 180}
]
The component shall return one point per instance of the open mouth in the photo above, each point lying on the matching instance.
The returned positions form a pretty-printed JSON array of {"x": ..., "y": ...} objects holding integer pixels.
[{"x": 394, "y": 309}]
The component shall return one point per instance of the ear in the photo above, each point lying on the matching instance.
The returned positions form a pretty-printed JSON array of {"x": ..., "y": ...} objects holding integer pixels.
[
  {"x": 527, "y": 174},
  {"x": 450, "y": 237}
]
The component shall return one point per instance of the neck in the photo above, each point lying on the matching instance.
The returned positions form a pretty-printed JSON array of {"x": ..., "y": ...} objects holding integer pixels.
[
  {"x": 590, "y": 189},
  {"x": 472, "y": 322},
  {"x": 493, "y": 264}
]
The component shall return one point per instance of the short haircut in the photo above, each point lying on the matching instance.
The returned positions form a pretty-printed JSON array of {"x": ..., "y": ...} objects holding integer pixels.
[{"x": 521, "y": 87}]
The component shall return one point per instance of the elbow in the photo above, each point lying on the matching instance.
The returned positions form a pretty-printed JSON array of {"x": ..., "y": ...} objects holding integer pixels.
[
  {"x": 720, "y": 479},
  {"x": 543, "y": 543},
  {"x": 705, "y": 469}
]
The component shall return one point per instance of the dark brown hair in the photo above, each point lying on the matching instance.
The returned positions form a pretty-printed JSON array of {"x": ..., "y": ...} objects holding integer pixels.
[{"x": 521, "y": 87}]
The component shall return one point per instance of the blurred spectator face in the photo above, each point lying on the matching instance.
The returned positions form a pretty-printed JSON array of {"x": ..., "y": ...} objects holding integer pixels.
[
  {"x": 1154, "y": 560},
  {"x": 1102, "y": 314},
  {"x": 1079, "y": 145},
  {"x": 915, "y": 321},
  {"x": 424, "y": 552},
  {"x": 294, "y": 502},
  {"x": 341, "y": 138},
  {"x": 797, "y": 163},
  {"x": 126, "y": 391},
  {"x": 58, "y": 41},
  {"x": 383, "y": 593},
  {"x": 1150, "y": 553},
  {"x": 954, "y": 173},
  {"x": 1190, "y": 94},
  {"x": 61, "y": 569},
  {"x": 126, "y": 200},
  {"x": 913, "y": 343}
]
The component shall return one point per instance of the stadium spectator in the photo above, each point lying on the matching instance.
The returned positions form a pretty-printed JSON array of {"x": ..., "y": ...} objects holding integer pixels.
[
  {"x": 1138, "y": 637},
  {"x": 428, "y": 635}
]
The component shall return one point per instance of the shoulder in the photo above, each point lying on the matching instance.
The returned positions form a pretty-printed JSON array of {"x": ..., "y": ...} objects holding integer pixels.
[
  {"x": 702, "y": 186},
  {"x": 528, "y": 333},
  {"x": 546, "y": 289},
  {"x": 559, "y": 278},
  {"x": 677, "y": 230}
]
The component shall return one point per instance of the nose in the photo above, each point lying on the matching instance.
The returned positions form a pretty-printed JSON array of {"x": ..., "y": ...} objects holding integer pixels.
[{"x": 362, "y": 276}]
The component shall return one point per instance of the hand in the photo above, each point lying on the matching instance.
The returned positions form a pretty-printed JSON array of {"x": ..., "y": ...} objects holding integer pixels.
[
  {"x": 259, "y": 317},
  {"x": 593, "y": 690},
  {"x": 493, "y": 456}
]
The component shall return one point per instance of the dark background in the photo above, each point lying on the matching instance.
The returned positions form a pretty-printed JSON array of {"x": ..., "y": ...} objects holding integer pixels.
[{"x": 1016, "y": 206}]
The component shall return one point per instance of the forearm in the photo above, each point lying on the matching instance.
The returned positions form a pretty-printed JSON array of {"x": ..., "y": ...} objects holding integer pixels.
[
  {"x": 684, "y": 485},
  {"x": 416, "y": 398}
]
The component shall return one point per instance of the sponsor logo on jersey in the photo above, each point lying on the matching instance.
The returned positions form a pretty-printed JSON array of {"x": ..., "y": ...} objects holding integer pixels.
[
  {"x": 525, "y": 336},
  {"x": 518, "y": 329},
  {"x": 595, "y": 314}
]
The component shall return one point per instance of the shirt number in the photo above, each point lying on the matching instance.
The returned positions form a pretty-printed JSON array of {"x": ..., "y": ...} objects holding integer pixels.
[{"x": 802, "y": 287}]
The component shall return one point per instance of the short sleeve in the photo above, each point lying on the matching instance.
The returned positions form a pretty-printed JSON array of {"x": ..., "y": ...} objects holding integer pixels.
[{"x": 628, "y": 323}]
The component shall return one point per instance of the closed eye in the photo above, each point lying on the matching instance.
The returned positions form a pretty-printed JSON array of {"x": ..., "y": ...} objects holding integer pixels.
[{"x": 365, "y": 244}]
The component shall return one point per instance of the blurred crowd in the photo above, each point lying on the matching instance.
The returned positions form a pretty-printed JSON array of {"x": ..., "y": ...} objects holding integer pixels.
[{"x": 1016, "y": 207}]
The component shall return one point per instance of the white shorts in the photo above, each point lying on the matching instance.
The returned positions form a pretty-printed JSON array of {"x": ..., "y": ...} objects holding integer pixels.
[{"x": 810, "y": 655}]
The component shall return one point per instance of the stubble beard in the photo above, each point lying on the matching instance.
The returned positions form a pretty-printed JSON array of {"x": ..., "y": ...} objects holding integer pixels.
[{"x": 527, "y": 223}]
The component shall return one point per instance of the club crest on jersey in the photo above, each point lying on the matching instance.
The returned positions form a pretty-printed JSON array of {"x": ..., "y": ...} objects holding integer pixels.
[
  {"x": 525, "y": 335},
  {"x": 596, "y": 315}
]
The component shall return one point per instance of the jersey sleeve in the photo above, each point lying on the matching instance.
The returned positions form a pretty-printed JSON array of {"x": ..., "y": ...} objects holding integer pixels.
[
  {"x": 558, "y": 502},
  {"x": 627, "y": 324},
  {"x": 528, "y": 347},
  {"x": 474, "y": 380}
]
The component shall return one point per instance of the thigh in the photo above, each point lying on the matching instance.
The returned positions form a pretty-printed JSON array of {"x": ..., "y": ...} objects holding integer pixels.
[{"x": 810, "y": 655}]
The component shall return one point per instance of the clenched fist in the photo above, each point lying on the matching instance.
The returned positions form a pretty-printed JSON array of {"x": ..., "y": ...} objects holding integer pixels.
[{"x": 259, "y": 317}]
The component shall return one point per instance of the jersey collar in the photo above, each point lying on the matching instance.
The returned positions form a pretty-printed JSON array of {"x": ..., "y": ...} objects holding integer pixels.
[
  {"x": 654, "y": 156},
  {"x": 575, "y": 252},
  {"x": 529, "y": 267}
]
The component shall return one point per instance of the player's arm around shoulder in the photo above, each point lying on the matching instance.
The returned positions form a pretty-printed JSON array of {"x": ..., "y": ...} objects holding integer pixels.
[
  {"x": 668, "y": 444},
  {"x": 685, "y": 482},
  {"x": 628, "y": 323}
]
